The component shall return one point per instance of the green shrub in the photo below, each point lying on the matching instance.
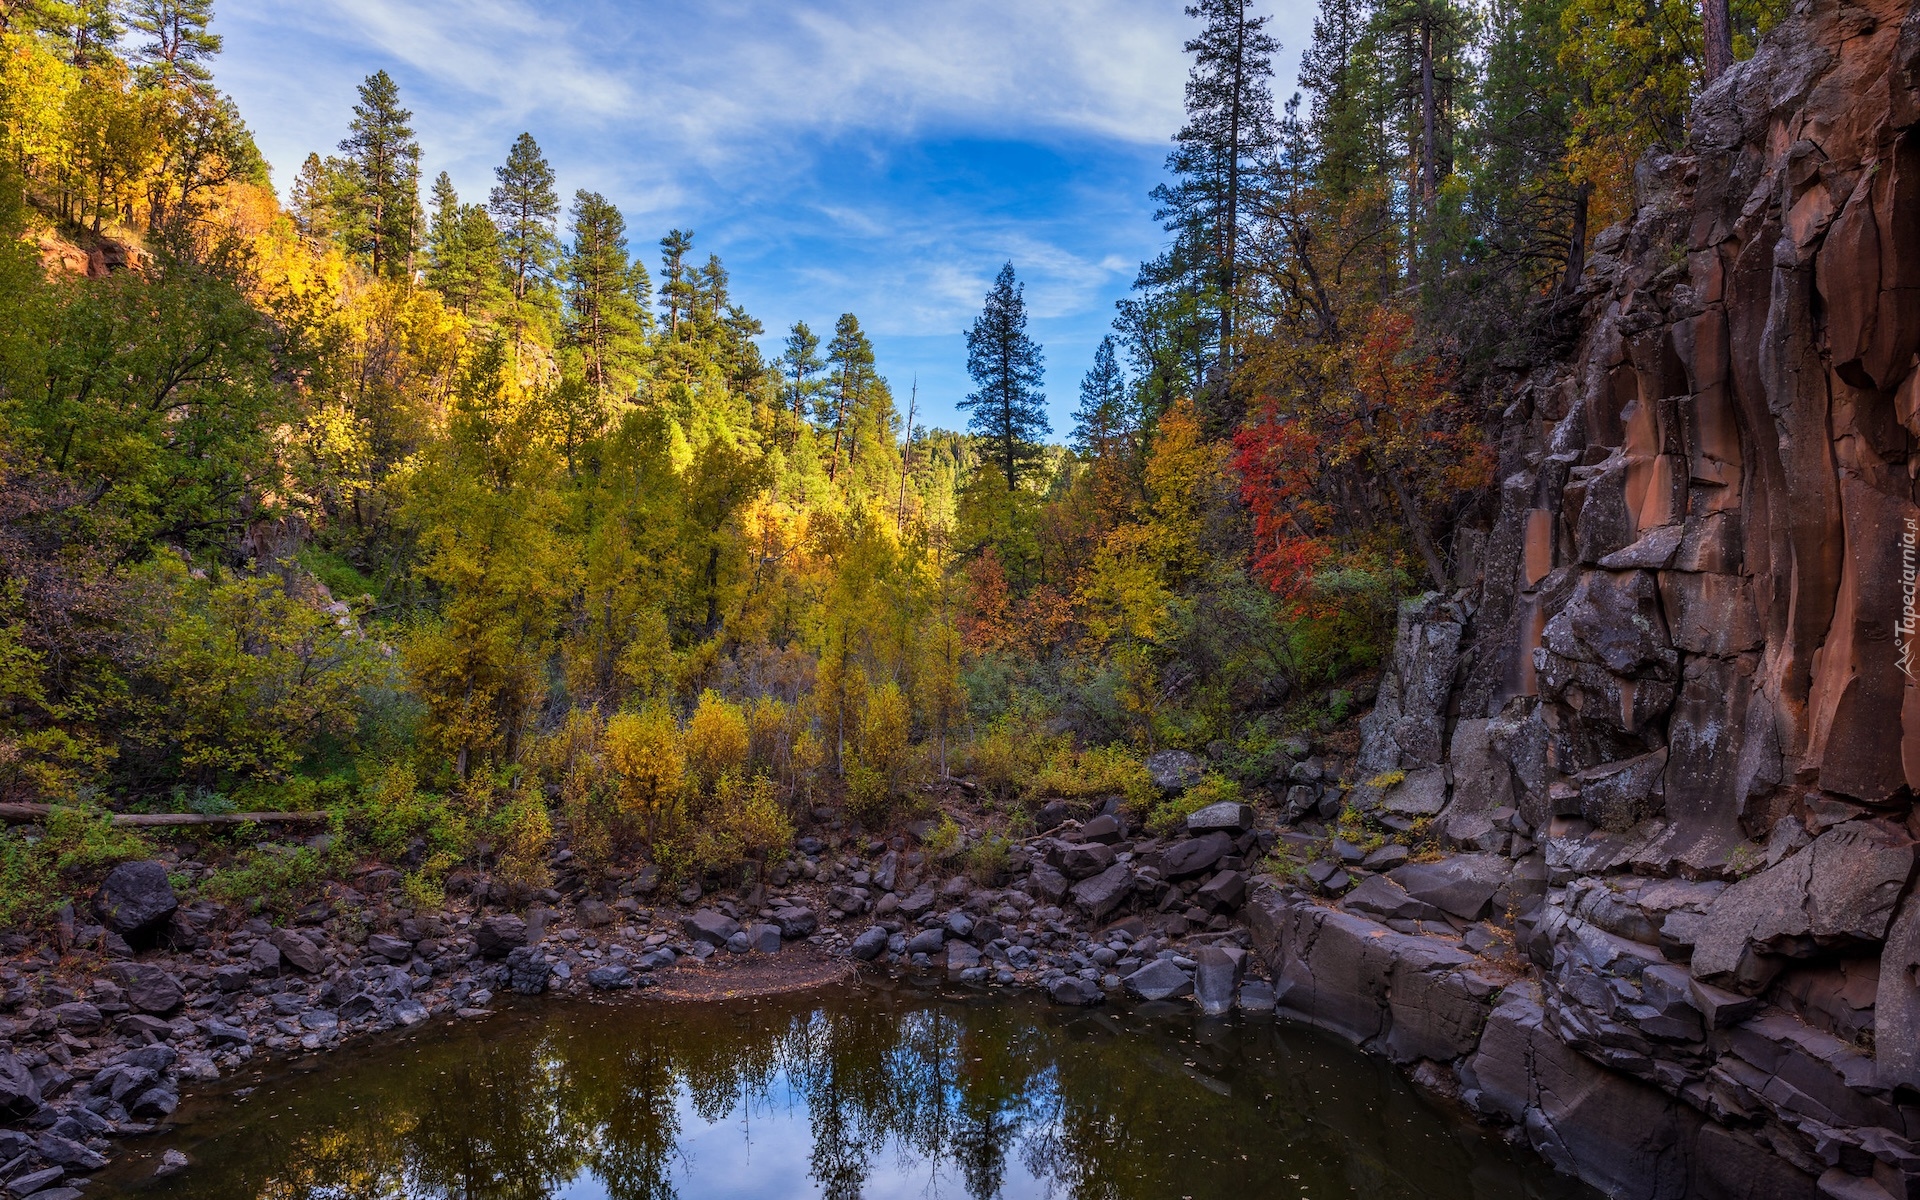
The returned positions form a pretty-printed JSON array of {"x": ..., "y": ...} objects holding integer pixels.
[
  {"x": 1170, "y": 815},
  {"x": 989, "y": 859},
  {"x": 269, "y": 878},
  {"x": 1110, "y": 770}
]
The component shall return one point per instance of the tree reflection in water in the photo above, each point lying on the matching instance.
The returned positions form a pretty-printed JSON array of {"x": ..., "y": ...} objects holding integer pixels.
[{"x": 868, "y": 1091}]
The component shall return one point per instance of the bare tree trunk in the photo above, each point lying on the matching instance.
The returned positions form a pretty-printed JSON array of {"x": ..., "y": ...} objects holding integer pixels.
[
  {"x": 1577, "y": 241},
  {"x": 1718, "y": 27}
]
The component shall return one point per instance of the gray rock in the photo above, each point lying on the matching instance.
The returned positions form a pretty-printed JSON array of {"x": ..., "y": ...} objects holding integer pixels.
[
  {"x": 19, "y": 1094},
  {"x": 68, "y": 1153},
  {"x": 298, "y": 952},
  {"x": 497, "y": 936},
  {"x": 1228, "y": 816},
  {"x": 409, "y": 1013},
  {"x": 1159, "y": 980},
  {"x": 765, "y": 939},
  {"x": 1104, "y": 829},
  {"x": 264, "y": 959},
  {"x": 961, "y": 957},
  {"x": 219, "y": 1033},
  {"x": 319, "y": 1020},
  {"x": 35, "y": 1181},
  {"x": 172, "y": 1162},
  {"x": 869, "y": 945},
  {"x": 1463, "y": 885},
  {"x": 1380, "y": 897},
  {"x": 1216, "y": 976},
  {"x": 610, "y": 977},
  {"x": 1174, "y": 770},
  {"x": 927, "y": 941},
  {"x": 391, "y": 948},
  {"x": 1386, "y": 858},
  {"x": 1072, "y": 990},
  {"x": 708, "y": 926},
  {"x": 1838, "y": 892},
  {"x": 1896, "y": 1011},
  {"x": 1222, "y": 893},
  {"x": 739, "y": 943},
  {"x": 1423, "y": 793},
  {"x": 135, "y": 899},
  {"x": 1083, "y": 860},
  {"x": 593, "y": 913},
  {"x": 1052, "y": 815},
  {"x": 795, "y": 922},
  {"x": 149, "y": 988},
  {"x": 528, "y": 970},
  {"x": 1099, "y": 896},
  {"x": 1047, "y": 884},
  {"x": 1195, "y": 855},
  {"x": 1256, "y": 996},
  {"x": 1406, "y": 726},
  {"x": 921, "y": 901}
]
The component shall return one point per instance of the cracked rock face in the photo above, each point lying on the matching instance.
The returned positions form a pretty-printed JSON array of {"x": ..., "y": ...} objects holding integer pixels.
[{"x": 1671, "y": 699}]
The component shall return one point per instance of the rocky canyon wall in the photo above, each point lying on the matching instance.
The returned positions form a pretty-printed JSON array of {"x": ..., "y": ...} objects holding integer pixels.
[{"x": 1670, "y": 734}]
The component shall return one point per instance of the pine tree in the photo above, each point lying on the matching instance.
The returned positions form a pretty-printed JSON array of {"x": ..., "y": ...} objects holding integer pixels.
[
  {"x": 1009, "y": 409},
  {"x": 384, "y": 161},
  {"x": 800, "y": 361},
  {"x": 677, "y": 291},
  {"x": 1102, "y": 415},
  {"x": 607, "y": 294},
  {"x": 1217, "y": 156},
  {"x": 179, "y": 43},
  {"x": 525, "y": 207},
  {"x": 850, "y": 363},
  {"x": 463, "y": 252}
]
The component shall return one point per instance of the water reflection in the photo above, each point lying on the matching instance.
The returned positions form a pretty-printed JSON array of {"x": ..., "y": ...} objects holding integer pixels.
[{"x": 859, "y": 1092}]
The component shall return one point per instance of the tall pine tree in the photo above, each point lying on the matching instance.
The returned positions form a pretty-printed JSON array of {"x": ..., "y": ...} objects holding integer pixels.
[
  {"x": 1009, "y": 409},
  {"x": 800, "y": 361},
  {"x": 383, "y": 161},
  {"x": 179, "y": 44},
  {"x": 607, "y": 295},
  {"x": 463, "y": 252},
  {"x": 525, "y": 207}
]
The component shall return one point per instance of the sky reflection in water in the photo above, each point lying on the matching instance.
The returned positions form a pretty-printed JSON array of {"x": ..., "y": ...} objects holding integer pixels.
[{"x": 863, "y": 1091}]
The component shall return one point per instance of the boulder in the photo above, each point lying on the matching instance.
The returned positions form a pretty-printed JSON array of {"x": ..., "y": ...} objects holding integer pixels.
[
  {"x": 1160, "y": 979},
  {"x": 1423, "y": 793},
  {"x": 391, "y": 948},
  {"x": 707, "y": 925},
  {"x": 1463, "y": 885},
  {"x": 869, "y": 945},
  {"x": 610, "y": 977},
  {"x": 1099, "y": 896},
  {"x": 1228, "y": 816},
  {"x": 1840, "y": 891},
  {"x": 498, "y": 936},
  {"x": 961, "y": 957},
  {"x": 1052, "y": 815},
  {"x": 19, "y": 1094},
  {"x": 1072, "y": 990},
  {"x": 920, "y": 901},
  {"x": 1175, "y": 770},
  {"x": 1104, "y": 828},
  {"x": 593, "y": 913},
  {"x": 528, "y": 970},
  {"x": 795, "y": 922},
  {"x": 1256, "y": 996},
  {"x": 1047, "y": 884},
  {"x": 927, "y": 941},
  {"x": 1080, "y": 860},
  {"x": 1195, "y": 855},
  {"x": 264, "y": 959},
  {"x": 135, "y": 899},
  {"x": 37, "y": 1183},
  {"x": 172, "y": 1163},
  {"x": 298, "y": 952},
  {"x": 764, "y": 939},
  {"x": 1383, "y": 899},
  {"x": 149, "y": 988},
  {"x": 1222, "y": 893},
  {"x": 1216, "y": 977}
]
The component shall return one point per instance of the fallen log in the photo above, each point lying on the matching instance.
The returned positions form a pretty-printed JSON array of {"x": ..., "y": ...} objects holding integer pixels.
[{"x": 17, "y": 814}]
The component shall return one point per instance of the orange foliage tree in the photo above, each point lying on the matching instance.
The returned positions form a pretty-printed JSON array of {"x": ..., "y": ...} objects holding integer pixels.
[{"x": 1359, "y": 450}]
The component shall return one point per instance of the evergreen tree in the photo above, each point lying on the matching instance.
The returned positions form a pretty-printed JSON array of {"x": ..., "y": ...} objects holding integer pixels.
[
  {"x": 607, "y": 295},
  {"x": 463, "y": 252},
  {"x": 1217, "y": 155},
  {"x": 383, "y": 161},
  {"x": 179, "y": 44},
  {"x": 525, "y": 207},
  {"x": 1009, "y": 409},
  {"x": 800, "y": 361},
  {"x": 677, "y": 290},
  {"x": 850, "y": 363},
  {"x": 1102, "y": 415},
  {"x": 315, "y": 200}
]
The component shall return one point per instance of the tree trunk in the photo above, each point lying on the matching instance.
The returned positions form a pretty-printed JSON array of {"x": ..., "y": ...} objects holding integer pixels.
[
  {"x": 1718, "y": 26},
  {"x": 1577, "y": 241}
]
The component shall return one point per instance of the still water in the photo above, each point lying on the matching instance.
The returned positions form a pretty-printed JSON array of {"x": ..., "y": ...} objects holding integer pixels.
[{"x": 868, "y": 1090}]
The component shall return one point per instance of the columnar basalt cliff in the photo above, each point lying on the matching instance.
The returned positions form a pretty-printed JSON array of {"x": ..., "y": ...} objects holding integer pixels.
[{"x": 1672, "y": 731}]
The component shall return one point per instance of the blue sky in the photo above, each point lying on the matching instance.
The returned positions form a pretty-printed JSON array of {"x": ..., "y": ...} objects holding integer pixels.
[{"x": 883, "y": 158}]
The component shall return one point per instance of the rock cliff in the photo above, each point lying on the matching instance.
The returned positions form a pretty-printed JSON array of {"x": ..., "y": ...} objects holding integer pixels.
[{"x": 1671, "y": 733}]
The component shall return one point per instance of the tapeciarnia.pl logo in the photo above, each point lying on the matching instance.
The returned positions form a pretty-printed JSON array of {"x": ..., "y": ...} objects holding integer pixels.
[{"x": 1903, "y": 629}]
